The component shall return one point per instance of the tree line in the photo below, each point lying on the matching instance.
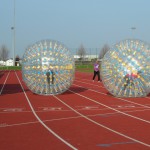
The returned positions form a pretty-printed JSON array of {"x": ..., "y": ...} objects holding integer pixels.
[
  {"x": 4, "y": 52},
  {"x": 81, "y": 52}
]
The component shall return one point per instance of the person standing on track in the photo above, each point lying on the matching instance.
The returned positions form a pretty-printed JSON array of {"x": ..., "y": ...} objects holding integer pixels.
[{"x": 96, "y": 71}]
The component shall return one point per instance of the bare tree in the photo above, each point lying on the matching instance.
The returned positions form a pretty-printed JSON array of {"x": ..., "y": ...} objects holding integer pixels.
[
  {"x": 81, "y": 52},
  {"x": 3, "y": 52},
  {"x": 103, "y": 51}
]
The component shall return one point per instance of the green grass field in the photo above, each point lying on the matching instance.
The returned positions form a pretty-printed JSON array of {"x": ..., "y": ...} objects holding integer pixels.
[
  {"x": 10, "y": 68},
  {"x": 85, "y": 68},
  {"x": 82, "y": 68}
]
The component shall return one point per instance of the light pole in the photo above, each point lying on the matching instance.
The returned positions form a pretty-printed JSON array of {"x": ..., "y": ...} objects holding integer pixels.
[
  {"x": 14, "y": 36},
  {"x": 12, "y": 28},
  {"x": 133, "y": 29}
]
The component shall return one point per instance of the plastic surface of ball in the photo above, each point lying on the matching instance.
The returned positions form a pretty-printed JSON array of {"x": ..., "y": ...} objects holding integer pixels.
[
  {"x": 48, "y": 68},
  {"x": 125, "y": 69}
]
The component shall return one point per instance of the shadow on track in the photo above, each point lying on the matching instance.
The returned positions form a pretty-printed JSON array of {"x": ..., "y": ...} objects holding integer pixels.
[
  {"x": 1, "y": 74},
  {"x": 11, "y": 89},
  {"x": 109, "y": 94},
  {"x": 75, "y": 89}
]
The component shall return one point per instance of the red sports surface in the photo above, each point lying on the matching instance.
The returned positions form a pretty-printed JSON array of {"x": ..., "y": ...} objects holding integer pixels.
[{"x": 86, "y": 117}]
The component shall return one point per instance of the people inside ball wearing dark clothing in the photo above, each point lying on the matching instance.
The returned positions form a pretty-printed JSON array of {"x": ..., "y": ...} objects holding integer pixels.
[
  {"x": 53, "y": 76},
  {"x": 129, "y": 78},
  {"x": 50, "y": 77}
]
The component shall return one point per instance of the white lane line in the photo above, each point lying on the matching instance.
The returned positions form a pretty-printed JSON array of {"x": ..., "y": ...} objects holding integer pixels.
[
  {"x": 112, "y": 108},
  {"x": 90, "y": 83},
  {"x": 147, "y": 97},
  {"x": 97, "y": 85},
  {"x": 43, "y": 124},
  {"x": 135, "y": 140},
  {"x": 111, "y": 96},
  {"x": 4, "y": 83}
]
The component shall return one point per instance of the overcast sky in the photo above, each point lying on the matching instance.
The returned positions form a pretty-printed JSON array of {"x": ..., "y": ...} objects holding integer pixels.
[{"x": 92, "y": 23}]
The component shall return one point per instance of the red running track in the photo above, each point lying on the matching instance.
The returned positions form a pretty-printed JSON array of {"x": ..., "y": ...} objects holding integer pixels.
[{"x": 86, "y": 117}]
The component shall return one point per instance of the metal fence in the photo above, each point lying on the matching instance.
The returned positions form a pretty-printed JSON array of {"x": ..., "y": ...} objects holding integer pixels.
[{"x": 89, "y": 51}]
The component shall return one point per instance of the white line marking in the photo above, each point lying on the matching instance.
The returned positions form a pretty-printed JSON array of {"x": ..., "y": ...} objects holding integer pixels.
[
  {"x": 111, "y": 107},
  {"x": 51, "y": 131},
  {"x": 51, "y": 108},
  {"x": 3, "y": 125},
  {"x": 67, "y": 118},
  {"x": 113, "y": 97},
  {"x": 126, "y": 106},
  {"x": 135, "y": 140},
  {"x": 78, "y": 108},
  {"x": 97, "y": 85},
  {"x": 147, "y": 97},
  {"x": 90, "y": 83},
  {"x": 13, "y": 110}
]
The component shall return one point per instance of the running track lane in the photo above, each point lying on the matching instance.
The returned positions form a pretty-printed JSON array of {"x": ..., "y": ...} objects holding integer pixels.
[
  {"x": 117, "y": 143},
  {"x": 123, "y": 119},
  {"x": 19, "y": 129},
  {"x": 118, "y": 103},
  {"x": 79, "y": 102},
  {"x": 66, "y": 99}
]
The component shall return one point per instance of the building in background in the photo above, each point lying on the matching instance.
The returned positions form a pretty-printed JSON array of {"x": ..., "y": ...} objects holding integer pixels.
[
  {"x": 8, "y": 62},
  {"x": 86, "y": 57}
]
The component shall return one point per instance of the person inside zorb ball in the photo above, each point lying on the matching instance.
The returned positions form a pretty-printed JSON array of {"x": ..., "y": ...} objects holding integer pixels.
[
  {"x": 48, "y": 68},
  {"x": 125, "y": 69}
]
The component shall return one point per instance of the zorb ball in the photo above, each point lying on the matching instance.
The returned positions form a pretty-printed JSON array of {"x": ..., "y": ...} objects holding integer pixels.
[
  {"x": 48, "y": 68},
  {"x": 125, "y": 69}
]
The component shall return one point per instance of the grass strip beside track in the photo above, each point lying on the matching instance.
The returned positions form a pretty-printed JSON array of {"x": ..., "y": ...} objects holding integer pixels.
[
  {"x": 81, "y": 68},
  {"x": 10, "y": 67}
]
